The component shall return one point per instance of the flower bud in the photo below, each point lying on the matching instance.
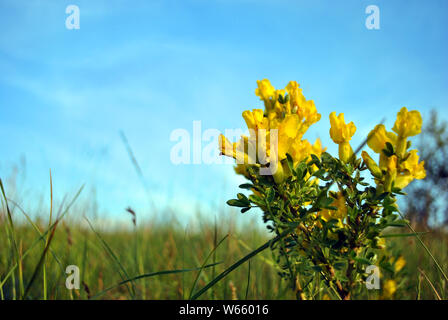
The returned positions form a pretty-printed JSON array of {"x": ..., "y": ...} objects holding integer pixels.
[
  {"x": 371, "y": 165},
  {"x": 345, "y": 151},
  {"x": 391, "y": 174}
]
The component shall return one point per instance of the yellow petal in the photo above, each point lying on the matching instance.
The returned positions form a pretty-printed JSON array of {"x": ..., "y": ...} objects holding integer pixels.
[
  {"x": 340, "y": 131},
  {"x": 400, "y": 263},
  {"x": 408, "y": 123},
  {"x": 378, "y": 137},
  {"x": 287, "y": 132},
  {"x": 265, "y": 90},
  {"x": 254, "y": 118}
]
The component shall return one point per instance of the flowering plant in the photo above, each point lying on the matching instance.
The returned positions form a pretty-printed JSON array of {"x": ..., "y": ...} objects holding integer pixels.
[{"x": 328, "y": 219}]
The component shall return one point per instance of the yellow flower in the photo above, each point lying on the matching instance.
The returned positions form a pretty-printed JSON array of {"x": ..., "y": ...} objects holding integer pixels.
[
  {"x": 254, "y": 119},
  {"x": 378, "y": 137},
  {"x": 371, "y": 165},
  {"x": 338, "y": 214},
  {"x": 389, "y": 289},
  {"x": 237, "y": 150},
  {"x": 413, "y": 166},
  {"x": 317, "y": 148},
  {"x": 341, "y": 134},
  {"x": 400, "y": 263},
  {"x": 300, "y": 150},
  {"x": 408, "y": 124},
  {"x": 410, "y": 169},
  {"x": 392, "y": 165},
  {"x": 265, "y": 89},
  {"x": 339, "y": 131},
  {"x": 308, "y": 112},
  {"x": 400, "y": 172},
  {"x": 381, "y": 243},
  {"x": 226, "y": 147},
  {"x": 275, "y": 131},
  {"x": 295, "y": 94},
  {"x": 391, "y": 173},
  {"x": 287, "y": 132}
]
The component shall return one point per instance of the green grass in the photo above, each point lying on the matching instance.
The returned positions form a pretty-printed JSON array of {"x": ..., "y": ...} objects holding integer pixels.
[
  {"x": 107, "y": 258},
  {"x": 162, "y": 260}
]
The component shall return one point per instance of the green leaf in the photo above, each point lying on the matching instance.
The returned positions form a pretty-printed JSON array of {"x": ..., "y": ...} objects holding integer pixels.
[
  {"x": 256, "y": 200},
  {"x": 280, "y": 99},
  {"x": 390, "y": 147},
  {"x": 324, "y": 201},
  {"x": 398, "y": 191},
  {"x": 398, "y": 223},
  {"x": 363, "y": 261},
  {"x": 387, "y": 153},
  {"x": 340, "y": 265},
  {"x": 270, "y": 193},
  {"x": 290, "y": 162},
  {"x": 245, "y": 209},
  {"x": 317, "y": 268},
  {"x": 301, "y": 170},
  {"x": 236, "y": 203},
  {"x": 243, "y": 199},
  {"x": 319, "y": 173}
]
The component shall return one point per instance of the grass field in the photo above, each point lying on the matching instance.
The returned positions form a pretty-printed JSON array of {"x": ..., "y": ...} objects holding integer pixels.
[{"x": 107, "y": 256}]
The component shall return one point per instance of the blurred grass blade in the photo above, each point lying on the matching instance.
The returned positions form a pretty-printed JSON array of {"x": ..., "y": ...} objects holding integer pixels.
[
  {"x": 425, "y": 247},
  {"x": 35, "y": 227},
  {"x": 401, "y": 235},
  {"x": 430, "y": 283},
  {"x": 11, "y": 223},
  {"x": 10, "y": 272},
  {"x": 240, "y": 262},
  {"x": 265, "y": 260},
  {"x": 10, "y": 233},
  {"x": 152, "y": 274},
  {"x": 203, "y": 265},
  {"x": 248, "y": 282},
  {"x": 41, "y": 260},
  {"x": 122, "y": 271},
  {"x": 44, "y": 270}
]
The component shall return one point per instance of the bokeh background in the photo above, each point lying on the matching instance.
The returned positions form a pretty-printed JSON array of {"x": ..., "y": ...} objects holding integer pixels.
[{"x": 146, "y": 68}]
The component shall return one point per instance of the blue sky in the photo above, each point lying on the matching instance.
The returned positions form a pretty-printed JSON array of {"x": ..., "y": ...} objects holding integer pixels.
[{"x": 149, "y": 67}]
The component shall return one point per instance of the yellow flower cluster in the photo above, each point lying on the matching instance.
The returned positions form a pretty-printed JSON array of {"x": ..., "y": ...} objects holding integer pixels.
[
  {"x": 275, "y": 131},
  {"x": 403, "y": 166}
]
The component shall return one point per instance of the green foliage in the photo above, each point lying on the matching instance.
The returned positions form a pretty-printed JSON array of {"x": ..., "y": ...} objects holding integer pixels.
[{"x": 329, "y": 242}]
